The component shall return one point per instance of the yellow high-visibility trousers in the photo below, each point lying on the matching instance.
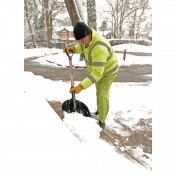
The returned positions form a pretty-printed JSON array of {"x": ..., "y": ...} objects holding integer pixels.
[{"x": 102, "y": 92}]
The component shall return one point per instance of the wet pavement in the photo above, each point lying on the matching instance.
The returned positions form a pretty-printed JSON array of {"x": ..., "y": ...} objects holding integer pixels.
[{"x": 133, "y": 73}]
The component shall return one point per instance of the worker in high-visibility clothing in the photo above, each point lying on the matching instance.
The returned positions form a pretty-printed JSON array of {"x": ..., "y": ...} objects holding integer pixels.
[{"x": 101, "y": 62}]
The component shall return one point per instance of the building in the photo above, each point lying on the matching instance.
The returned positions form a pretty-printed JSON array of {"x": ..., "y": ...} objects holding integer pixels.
[
  {"x": 65, "y": 36},
  {"x": 106, "y": 34}
]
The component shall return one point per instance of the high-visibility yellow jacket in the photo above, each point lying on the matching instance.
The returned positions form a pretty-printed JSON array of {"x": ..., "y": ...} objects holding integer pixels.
[{"x": 100, "y": 59}]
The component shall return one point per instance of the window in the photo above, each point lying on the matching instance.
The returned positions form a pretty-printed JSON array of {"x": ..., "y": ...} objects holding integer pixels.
[
  {"x": 70, "y": 34},
  {"x": 64, "y": 35}
]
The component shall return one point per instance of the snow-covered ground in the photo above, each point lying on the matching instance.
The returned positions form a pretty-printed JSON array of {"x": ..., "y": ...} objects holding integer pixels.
[
  {"x": 44, "y": 145},
  {"x": 133, "y": 48},
  {"x": 129, "y": 102},
  {"x": 62, "y": 60},
  {"x": 132, "y": 102}
]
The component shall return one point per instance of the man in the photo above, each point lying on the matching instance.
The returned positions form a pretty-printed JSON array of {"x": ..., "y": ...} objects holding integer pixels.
[{"x": 101, "y": 62}]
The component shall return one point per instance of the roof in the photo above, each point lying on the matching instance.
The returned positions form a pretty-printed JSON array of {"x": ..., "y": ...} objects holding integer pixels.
[
  {"x": 64, "y": 27},
  {"x": 71, "y": 38},
  {"x": 105, "y": 32}
]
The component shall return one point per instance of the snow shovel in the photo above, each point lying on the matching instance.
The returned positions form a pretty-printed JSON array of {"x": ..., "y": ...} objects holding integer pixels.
[{"x": 74, "y": 105}]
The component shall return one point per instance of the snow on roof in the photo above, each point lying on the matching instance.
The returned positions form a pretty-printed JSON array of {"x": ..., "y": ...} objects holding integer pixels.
[
  {"x": 71, "y": 38},
  {"x": 70, "y": 28},
  {"x": 105, "y": 32}
]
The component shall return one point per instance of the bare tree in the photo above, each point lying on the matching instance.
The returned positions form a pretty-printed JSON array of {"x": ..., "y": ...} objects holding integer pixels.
[
  {"x": 28, "y": 18},
  {"x": 103, "y": 26},
  {"x": 35, "y": 14},
  {"x": 51, "y": 10},
  {"x": 114, "y": 12},
  {"x": 148, "y": 28},
  {"x": 137, "y": 17},
  {"x": 141, "y": 16},
  {"x": 48, "y": 28},
  {"x": 41, "y": 15},
  {"x": 129, "y": 11}
]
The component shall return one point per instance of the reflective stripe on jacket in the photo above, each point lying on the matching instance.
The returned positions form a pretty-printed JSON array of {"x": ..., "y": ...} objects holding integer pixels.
[{"x": 100, "y": 59}]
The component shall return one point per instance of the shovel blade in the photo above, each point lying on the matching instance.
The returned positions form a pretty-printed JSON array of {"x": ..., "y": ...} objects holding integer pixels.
[{"x": 81, "y": 108}]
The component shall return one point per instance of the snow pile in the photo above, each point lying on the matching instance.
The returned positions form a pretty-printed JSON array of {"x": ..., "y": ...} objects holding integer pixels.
[{"x": 84, "y": 128}]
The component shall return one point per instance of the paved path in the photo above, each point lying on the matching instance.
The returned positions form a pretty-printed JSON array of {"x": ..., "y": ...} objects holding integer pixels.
[{"x": 133, "y": 73}]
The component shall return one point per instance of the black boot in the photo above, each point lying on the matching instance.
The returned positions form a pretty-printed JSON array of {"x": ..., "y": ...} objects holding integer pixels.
[{"x": 102, "y": 125}]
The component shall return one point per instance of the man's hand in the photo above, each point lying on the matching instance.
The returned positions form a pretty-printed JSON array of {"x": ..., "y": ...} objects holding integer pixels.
[
  {"x": 77, "y": 89},
  {"x": 70, "y": 49}
]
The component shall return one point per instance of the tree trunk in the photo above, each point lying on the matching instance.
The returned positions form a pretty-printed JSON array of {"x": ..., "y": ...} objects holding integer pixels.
[
  {"x": 73, "y": 11},
  {"x": 134, "y": 24},
  {"x": 51, "y": 25},
  {"x": 35, "y": 16},
  {"x": 80, "y": 11},
  {"x": 29, "y": 23},
  {"x": 48, "y": 29},
  {"x": 91, "y": 14},
  {"x": 74, "y": 15},
  {"x": 117, "y": 20},
  {"x": 140, "y": 20}
]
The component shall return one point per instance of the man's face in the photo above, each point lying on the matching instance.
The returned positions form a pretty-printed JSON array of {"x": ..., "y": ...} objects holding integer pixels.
[{"x": 85, "y": 41}]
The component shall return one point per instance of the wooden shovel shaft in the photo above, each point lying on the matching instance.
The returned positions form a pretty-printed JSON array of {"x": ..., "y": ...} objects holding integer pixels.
[
  {"x": 71, "y": 68},
  {"x": 72, "y": 81},
  {"x": 71, "y": 73}
]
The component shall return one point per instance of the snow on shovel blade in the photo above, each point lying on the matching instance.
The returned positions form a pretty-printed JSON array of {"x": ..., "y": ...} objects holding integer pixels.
[{"x": 81, "y": 108}]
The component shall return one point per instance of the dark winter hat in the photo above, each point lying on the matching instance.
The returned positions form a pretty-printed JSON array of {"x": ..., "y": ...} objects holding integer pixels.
[{"x": 81, "y": 30}]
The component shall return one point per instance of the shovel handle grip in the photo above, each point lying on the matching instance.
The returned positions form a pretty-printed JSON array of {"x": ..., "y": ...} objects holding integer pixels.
[{"x": 70, "y": 57}]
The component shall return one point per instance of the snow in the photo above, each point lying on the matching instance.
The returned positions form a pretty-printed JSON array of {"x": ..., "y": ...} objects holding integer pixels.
[
  {"x": 132, "y": 101},
  {"x": 86, "y": 130},
  {"x": 15, "y": 156},
  {"x": 50, "y": 147},
  {"x": 39, "y": 52},
  {"x": 128, "y": 105},
  {"x": 45, "y": 145},
  {"x": 133, "y": 48},
  {"x": 66, "y": 27},
  {"x": 62, "y": 59},
  {"x": 80, "y": 11}
]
